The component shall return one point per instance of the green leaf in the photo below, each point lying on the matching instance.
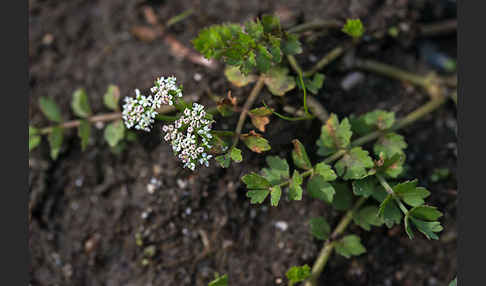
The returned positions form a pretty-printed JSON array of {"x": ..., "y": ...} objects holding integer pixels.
[
  {"x": 111, "y": 97},
  {"x": 84, "y": 132},
  {"x": 350, "y": 245},
  {"x": 55, "y": 141},
  {"x": 364, "y": 187},
  {"x": 275, "y": 194},
  {"x": 313, "y": 85},
  {"x": 299, "y": 155},
  {"x": 237, "y": 78},
  {"x": 295, "y": 189},
  {"x": 410, "y": 194},
  {"x": 427, "y": 228},
  {"x": 320, "y": 189},
  {"x": 353, "y": 164},
  {"x": 50, "y": 109},
  {"x": 424, "y": 212},
  {"x": 325, "y": 171},
  {"x": 334, "y": 136},
  {"x": 275, "y": 43},
  {"x": 354, "y": 28},
  {"x": 367, "y": 217},
  {"x": 270, "y": 23},
  {"x": 220, "y": 281},
  {"x": 291, "y": 45},
  {"x": 379, "y": 119},
  {"x": 343, "y": 198},
  {"x": 278, "y": 169},
  {"x": 223, "y": 160},
  {"x": 263, "y": 59},
  {"x": 114, "y": 133},
  {"x": 236, "y": 155},
  {"x": 34, "y": 139},
  {"x": 392, "y": 167},
  {"x": 390, "y": 144},
  {"x": 319, "y": 228},
  {"x": 80, "y": 104},
  {"x": 389, "y": 211},
  {"x": 255, "y": 142},
  {"x": 257, "y": 196},
  {"x": 453, "y": 282},
  {"x": 255, "y": 181},
  {"x": 254, "y": 29},
  {"x": 298, "y": 274},
  {"x": 278, "y": 81}
]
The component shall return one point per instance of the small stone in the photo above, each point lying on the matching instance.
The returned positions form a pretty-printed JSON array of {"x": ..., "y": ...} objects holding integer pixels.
[
  {"x": 79, "y": 182},
  {"x": 99, "y": 125},
  {"x": 181, "y": 183},
  {"x": 278, "y": 281},
  {"x": 351, "y": 80},
  {"x": 188, "y": 211},
  {"x": 47, "y": 39},
  {"x": 197, "y": 77},
  {"x": 282, "y": 225}
]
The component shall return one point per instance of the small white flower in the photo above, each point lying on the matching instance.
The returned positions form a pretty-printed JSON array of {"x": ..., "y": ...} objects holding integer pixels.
[
  {"x": 140, "y": 112},
  {"x": 190, "y": 136}
]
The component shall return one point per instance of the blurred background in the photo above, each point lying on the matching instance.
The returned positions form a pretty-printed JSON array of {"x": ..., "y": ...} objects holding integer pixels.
[{"x": 135, "y": 217}]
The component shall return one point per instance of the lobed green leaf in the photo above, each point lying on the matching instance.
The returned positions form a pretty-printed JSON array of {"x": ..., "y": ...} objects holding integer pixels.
[
  {"x": 319, "y": 228},
  {"x": 80, "y": 104},
  {"x": 353, "y": 165},
  {"x": 299, "y": 156},
  {"x": 350, "y": 245},
  {"x": 334, "y": 136}
]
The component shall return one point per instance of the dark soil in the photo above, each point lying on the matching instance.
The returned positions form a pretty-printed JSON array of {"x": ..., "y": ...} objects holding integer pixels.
[{"x": 89, "y": 209}]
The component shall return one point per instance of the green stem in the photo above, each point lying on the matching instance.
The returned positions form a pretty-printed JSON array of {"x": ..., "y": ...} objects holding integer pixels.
[
  {"x": 328, "y": 58},
  {"x": 323, "y": 24},
  {"x": 393, "y": 72},
  {"x": 328, "y": 247},
  {"x": 244, "y": 112},
  {"x": 293, "y": 63},
  {"x": 403, "y": 122},
  {"x": 390, "y": 191},
  {"x": 179, "y": 17}
]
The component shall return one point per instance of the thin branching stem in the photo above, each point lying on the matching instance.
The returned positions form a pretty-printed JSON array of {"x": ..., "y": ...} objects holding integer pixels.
[
  {"x": 246, "y": 107},
  {"x": 346, "y": 219},
  {"x": 327, "y": 59},
  {"x": 390, "y": 191},
  {"x": 314, "y": 25},
  {"x": 328, "y": 247}
]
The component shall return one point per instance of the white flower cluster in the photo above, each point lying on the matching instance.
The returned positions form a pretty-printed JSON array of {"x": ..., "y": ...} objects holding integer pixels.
[
  {"x": 166, "y": 89},
  {"x": 190, "y": 136},
  {"x": 139, "y": 112}
]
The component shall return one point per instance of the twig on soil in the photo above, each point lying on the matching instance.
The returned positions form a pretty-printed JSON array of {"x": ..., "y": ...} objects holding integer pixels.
[
  {"x": 246, "y": 107},
  {"x": 177, "y": 49},
  {"x": 449, "y": 26},
  {"x": 321, "y": 24},
  {"x": 328, "y": 58}
]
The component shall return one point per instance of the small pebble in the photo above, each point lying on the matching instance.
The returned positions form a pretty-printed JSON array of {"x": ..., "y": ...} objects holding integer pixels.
[
  {"x": 181, "y": 183},
  {"x": 185, "y": 231},
  {"x": 278, "y": 281},
  {"x": 188, "y": 211},
  {"x": 351, "y": 80},
  {"x": 197, "y": 76},
  {"x": 79, "y": 182},
  {"x": 282, "y": 225},
  {"x": 99, "y": 125}
]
